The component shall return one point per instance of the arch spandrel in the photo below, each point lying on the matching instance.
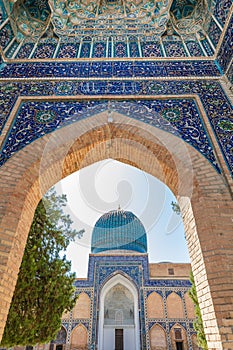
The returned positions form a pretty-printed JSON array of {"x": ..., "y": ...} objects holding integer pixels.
[{"x": 34, "y": 169}]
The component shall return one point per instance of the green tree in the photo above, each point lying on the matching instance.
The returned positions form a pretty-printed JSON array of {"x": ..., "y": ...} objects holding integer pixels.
[
  {"x": 198, "y": 324},
  {"x": 176, "y": 208},
  {"x": 44, "y": 289}
]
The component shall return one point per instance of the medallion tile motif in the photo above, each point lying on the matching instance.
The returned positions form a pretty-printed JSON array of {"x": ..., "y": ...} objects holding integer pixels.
[{"x": 211, "y": 94}]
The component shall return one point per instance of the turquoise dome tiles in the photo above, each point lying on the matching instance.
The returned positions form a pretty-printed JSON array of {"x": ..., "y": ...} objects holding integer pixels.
[{"x": 119, "y": 229}]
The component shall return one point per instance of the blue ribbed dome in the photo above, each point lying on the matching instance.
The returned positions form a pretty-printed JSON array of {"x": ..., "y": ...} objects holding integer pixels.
[{"x": 118, "y": 229}]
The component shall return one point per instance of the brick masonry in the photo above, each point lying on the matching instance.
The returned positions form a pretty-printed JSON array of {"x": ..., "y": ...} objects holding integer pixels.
[{"x": 203, "y": 194}]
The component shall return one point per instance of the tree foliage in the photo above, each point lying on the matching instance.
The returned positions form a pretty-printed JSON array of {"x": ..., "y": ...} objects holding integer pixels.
[
  {"x": 176, "y": 208},
  {"x": 198, "y": 324},
  {"x": 44, "y": 288}
]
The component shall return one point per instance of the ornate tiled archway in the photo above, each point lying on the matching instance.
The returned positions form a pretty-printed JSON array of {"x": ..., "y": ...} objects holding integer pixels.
[
  {"x": 48, "y": 159},
  {"x": 159, "y": 100}
]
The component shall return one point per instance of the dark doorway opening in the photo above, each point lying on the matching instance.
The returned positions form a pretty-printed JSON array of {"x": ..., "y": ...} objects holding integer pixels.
[
  {"x": 119, "y": 341},
  {"x": 179, "y": 345},
  {"x": 59, "y": 347}
]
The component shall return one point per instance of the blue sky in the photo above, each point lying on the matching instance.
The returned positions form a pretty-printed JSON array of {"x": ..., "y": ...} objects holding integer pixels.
[{"x": 104, "y": 186}]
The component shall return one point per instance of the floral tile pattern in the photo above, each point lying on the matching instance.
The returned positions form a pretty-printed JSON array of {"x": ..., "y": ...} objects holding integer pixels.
[
  {"x": 135, "y": 268},
  {"x": 107, "y": 69},
  {"x": 211, "y": 94},
  {"x": 177, "y": 116}
]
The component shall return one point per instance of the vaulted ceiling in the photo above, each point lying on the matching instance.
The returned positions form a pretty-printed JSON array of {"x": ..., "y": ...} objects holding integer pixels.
[{"x": 112, "y": 28}]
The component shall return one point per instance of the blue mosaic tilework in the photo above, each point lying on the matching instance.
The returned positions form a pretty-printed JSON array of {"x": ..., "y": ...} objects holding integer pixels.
[
  {"x": 116, "y": 50},
  {"x": 110, "y": 48},
  {"x": 118, "y": 229},
  {"x": 83, "y": 322},
  {"x": 133, "y": 49},
  {"x": 207, "y": 47},
  {"x": 3, "y": 14},
  {"x": 194, "y": 48},
  {"x": 221, "y": 10},
  {"x": 44, "y": 50},
  {"x": 226, "y": 49},
  {"x": 6, "y": 35},
  {"x": 25, "y": 50},
  {"x": 160, "y": 292},
  {"x": 136, "y": 269},
  {"x": 174, "y": 49},
  {"x": 120, "y": 49},
  {"x": 176, "y": 116},
  {"x": 99, "y": 50},
  {"x": 151, "y": 49},
  {"x": 214, "y": 32},
  {"x": 68, "y": 50},
  {"x": 168, "y": 292},
  {"x": 210, "y": 93},
  {"x": 12, "y": 49},
  {"x": 183, "y": 324},
  {"x": 230, "y": 74},
  {"x": 85, "y": 50},
  {"x": 108, "y": 69},
  {"x": 162, "y": 324}
]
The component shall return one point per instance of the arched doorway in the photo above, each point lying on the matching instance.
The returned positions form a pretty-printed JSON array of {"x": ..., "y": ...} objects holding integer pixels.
[
  {"x": 201, "y": 191},
  {"x": 119, "y": 316},
  {"x": 60, "y": 340}
]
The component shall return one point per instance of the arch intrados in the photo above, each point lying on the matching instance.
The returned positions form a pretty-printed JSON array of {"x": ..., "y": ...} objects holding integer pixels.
[
  {"x": 70, "y": 146},
  {"x": 118, "y": 279},
  {"x": 24, "y": 180},
  {"x": 37, "y": 167}
]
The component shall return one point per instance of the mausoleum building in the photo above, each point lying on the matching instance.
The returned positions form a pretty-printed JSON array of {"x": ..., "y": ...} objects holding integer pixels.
[
  {"x": 144, "y": 82},
  {"x": 126, "y": 303}
]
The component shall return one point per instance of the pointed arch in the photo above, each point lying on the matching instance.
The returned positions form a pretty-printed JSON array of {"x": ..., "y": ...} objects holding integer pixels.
[
  {"x": 158, "y": 339},
  {"x": 79, "y": 337},
  {"x": 114, "y": 281},
  {"x": 82, "y": 306},
  {"x": 60, "y": 339},
  {"x": 53, "y": 157},
  {"x": 174, "y": 306},
  {"x": 178, "y": 335},
  {"x": 194, "y": 342},
  {"x": 189, "y": 306},
  {"x": 155, "y": 306}
]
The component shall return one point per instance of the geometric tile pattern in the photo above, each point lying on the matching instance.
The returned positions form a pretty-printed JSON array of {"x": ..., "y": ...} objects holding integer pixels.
[
  {"x": 179, "y": 117},
  {"x": 221, "y": 10},
  {"x": 135, "y": 268},
  {"x": 160, "y": 30},
  {"x": 108, "y": 69},
  {"x": 212, "y": 96},
  {"x": 225, "y": 52}
]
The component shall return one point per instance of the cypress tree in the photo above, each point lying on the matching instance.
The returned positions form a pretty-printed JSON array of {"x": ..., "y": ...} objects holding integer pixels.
[{"x": 44, "y": 289}]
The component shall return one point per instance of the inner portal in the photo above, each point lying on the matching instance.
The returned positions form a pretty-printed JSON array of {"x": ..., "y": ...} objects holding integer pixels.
[{"x": 119, "y": 319}]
